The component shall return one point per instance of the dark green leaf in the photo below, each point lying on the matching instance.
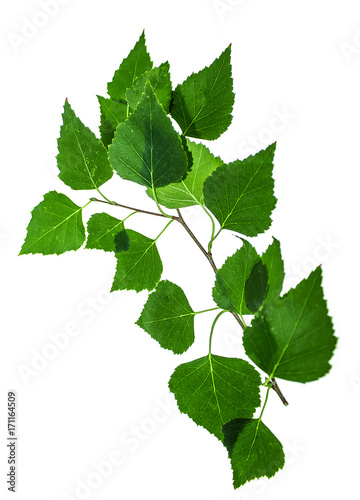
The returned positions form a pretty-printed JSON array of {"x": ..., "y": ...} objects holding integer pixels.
[
  {"x": 82, "y": 160},
  {"x": 293, "y": 338},
  {"x": 253, "y": 449},
  {"x": 203, "y": 103},
  {"x": 213, "y": 390},
  {"x": 256, "y": 287},
  {"x": 275, "y": 269},
  {"x": 241, "y": 194},
  {"x": 122, "y": 241},
  {"x": 160, "y": 81},
  {"x": 189, "y": 191},
  {"x": 140, "y": 267},
  {"x": 112, "y": 113},
  {"x": 168, "y": 317},
  {"x": 102, "y": 229},
  {"x": 55, "y": 227},
  {"x": 146, "y": 149},
  {"x": 134, "y": 65},
  {"x": 229, "y": 289}
]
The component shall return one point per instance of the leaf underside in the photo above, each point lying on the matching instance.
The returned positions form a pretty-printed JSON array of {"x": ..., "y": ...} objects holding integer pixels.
[{"x": 189, "y": 191}]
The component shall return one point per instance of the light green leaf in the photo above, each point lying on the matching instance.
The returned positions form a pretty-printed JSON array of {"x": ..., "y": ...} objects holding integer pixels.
[
  {"x": 112, "y": 113},
  {"x": 231, "y": 278},
  {"x": 55, "y": 227},
  {"x": 189, "y": 191},
  {"x": 82, "y": 160},
  {"x": 134, "y": 65},
  {"x": 213, "y": 390},
  {"x": 203, "y": 103},
  {"x": 293, "y": 338},
  {"x": 102, "y": 229},
  {"x": 146, "y": 149},
  {"x": 168, "y": 317},
  {"x": 140, "y": 267},
  {"x": 160, "y": 81},
  {"x": 241, "y": 194},
  {"x": 253, "y": 449}
]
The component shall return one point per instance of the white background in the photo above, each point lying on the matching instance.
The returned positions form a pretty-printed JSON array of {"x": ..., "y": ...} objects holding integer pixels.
[{"x": 299, "y": 59}]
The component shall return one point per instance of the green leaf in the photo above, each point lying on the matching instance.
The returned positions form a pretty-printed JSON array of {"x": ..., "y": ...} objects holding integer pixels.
[
  {"x": 112, "y": 113},
  {"x": 168, "y": 317},
  {"x": 160, "y": 81},
  {"x": 134, "y": 65},
  {"x": 146, "y": 149},
  {"x": 231, "y": 278},
  {"x": 241, "y": 194},
  {"x": 275, "y": 269},
  {"x": 293, "y": 338},
  {"x": 102, "y": 229},
  {"x": 253, "y": 449},
  {"x": 256, "y": 287},
  {"x": 189, "y": 191},
  {"x": 140, "y": 267},
  {"x": 82, "y": 160},
  {"x": 213, "y": 390},
  {"x": 203, "y": 103},
  {"x": 55, "y": 227},
  {"x": 122, "y": 241}
]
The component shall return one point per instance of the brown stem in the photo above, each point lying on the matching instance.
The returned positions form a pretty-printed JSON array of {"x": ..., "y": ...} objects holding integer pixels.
[
  {"x": 274, "y": 385},
  {"x": 209, "y": 257},
  {"x": 131, "y": 208},
  {"x": 207, "y": 254}
]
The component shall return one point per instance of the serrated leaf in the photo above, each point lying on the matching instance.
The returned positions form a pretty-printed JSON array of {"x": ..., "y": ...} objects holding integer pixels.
[
  {"x": 203, "y": 103},
  {"x": 275, "y": 268},
  {"x": 293, "y": 338},
  {"x": 189, "y": 191},
  {"x": 82, "y": 160},
  {"x": 146, "y": 149},
  {"x": 134, "y": 65},
  {"x": 213, "y": 390},
  {"x": 112, "y": 113},
  {"x": 55, "y": 227},
  {"x": 102, "y": 229},
  {"x": 159, "y": 78},
  {"x": 256, "y": 287},
  {"x": 168, "y": 317},
  {"x": 140, "y": 267},
  {"x": 241, "y": 194},
  {"x": 253, "y": 449},
  {"x": 231, "y": 278}
]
